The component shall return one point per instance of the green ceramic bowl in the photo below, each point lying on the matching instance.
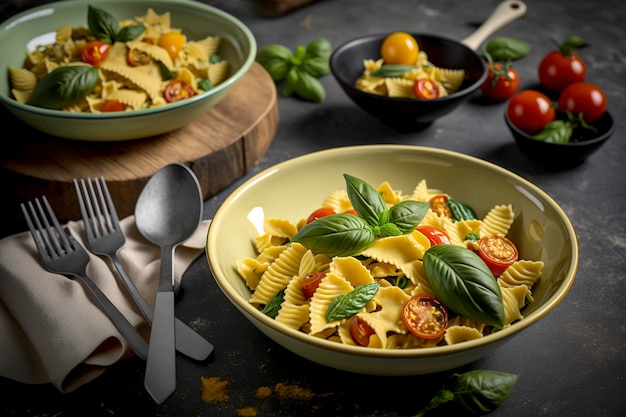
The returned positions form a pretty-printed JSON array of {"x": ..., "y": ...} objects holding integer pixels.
[
  {"x": 196, "y": 20},
  {"x": 295, "y": 188}
]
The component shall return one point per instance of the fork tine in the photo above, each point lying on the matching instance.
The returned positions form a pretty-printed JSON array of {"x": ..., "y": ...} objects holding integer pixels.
[
  {"x": 67, "y": 246},
  {"x": 109, "y": 204},
  {"x": 43, "y": 246}
]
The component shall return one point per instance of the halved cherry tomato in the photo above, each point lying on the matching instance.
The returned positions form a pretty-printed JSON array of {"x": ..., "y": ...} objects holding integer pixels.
[
  {"x": 435, "y": 235},
  {"x": 95, "y": 52},
  {"x": 399, "y": 48},
  {"x": 501, "y": 83},
  {"x": 320, "y": 212},
  {"x": 352, "y": 211},
  {"x": 439, "y": 205},
  {"x": 360, "y": 331},
  {"x": 177, "y": 90},
  {"x": 425, "y": 88},
  {"x": 310, "y": 282},
  {"x": 112, "y": 105},
  {"x": 425, "y": 316},
  {"x": 136, "y": 58},
  {"x": 530, "y": 111},
  {"x": 497, "y": 252},
  {"x": 172, "y": 42},
  {"x": 585, "y": 98}
]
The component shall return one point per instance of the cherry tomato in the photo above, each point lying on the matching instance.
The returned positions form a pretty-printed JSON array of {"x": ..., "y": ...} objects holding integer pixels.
[
  {"x": 501, "y": 83},
  {"x": 425, "y": 316},
  {"x": 352, "y": 211},
  {"x": 497, "y": 252},
  {"x": 425, "y": 88},
  {"x": 310, "y": 282},
  {"x": 95, "y": 52},
  {"x": 360, "y": 331},
  {"x": 399, "y": 48},
  {"x": 136, "y": 58},
  {"x": 112, "y": 105},
  {"x": 439, "y": 205},
  {"x": 177, "y": 90},
  {"x": 530, "y": 111},
  {"x": 172, "y": 42},
  {"x": 558, "y": 70},
  {"x": 585, "y": 98},
  {"x": 435, "y": 235},
  {"x": 320, "y": 212}
]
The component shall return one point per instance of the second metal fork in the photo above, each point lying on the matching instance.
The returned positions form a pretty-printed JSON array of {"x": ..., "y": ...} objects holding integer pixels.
[
  {"x": 62, "y": 254},
  {"x": 105, "y": 237}
]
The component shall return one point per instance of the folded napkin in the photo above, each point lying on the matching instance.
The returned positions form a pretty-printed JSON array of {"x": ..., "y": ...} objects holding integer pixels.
[{"x": 52, "y": 329}]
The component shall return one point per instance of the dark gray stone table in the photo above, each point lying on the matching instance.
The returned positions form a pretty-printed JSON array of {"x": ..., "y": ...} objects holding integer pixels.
[{"x": 571, "y": 363}]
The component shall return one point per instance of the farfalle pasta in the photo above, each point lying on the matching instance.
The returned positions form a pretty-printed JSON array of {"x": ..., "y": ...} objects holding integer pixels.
[{"x": 395, "y": 264}]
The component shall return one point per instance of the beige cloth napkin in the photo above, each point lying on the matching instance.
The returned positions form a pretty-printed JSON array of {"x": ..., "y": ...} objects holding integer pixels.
[{"x": 52, "y": 329}]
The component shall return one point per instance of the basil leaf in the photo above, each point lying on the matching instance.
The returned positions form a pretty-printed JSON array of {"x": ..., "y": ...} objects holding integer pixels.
[
  {"x": 64, "y": 86},
  {"x": 347, "y": 305},
  {"x": 480, "y": 391},
  {"x": 316, "y": 59},
  {"x": 392, "y": 70},
  {"x": 463, "y": 282},
  {"x": 291, "y": 82},
  {"x": 557, "y": 131},
  {"x": 276, "y": 60},
  {"x": 367, "y": 202},
  {"x": 570, "y": 45},
  {"x": 389, "y": 229},
  {"x": 103, "y": 25},
  {"x": 205, "y": 84},
  {"x": 336, "y": 235},
  {"x": 308, "y": 87},
  {"x": 506, "y": 49},
  {"x": 472, "y": 236},
  {"x": 460, "y": 211},
  {"x": 215, "y": 58},
  {"x": 166, "y": 74},
  {"x": 272, "y": 308},
  {"x": 408, "y": 214},
  {"x": 129, "y": 33}
]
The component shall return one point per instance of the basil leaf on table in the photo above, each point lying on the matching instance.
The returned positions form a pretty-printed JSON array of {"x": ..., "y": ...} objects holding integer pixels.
[
  {"x": 316, "y": 57},
  {"x": 476, "y": 392},
  {"x": 304, "y": 84},
  {"x": 64, "y": 86},
  {"x": 347, "y": 305},
  {"x": 506, "y": 49},
  {"x": 276, "y": 60},
  {"x": 463, "y": 282}
]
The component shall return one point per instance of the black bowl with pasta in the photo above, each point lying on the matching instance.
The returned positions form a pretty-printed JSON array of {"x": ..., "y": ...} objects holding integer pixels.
[{"x": 408, "y": 114}]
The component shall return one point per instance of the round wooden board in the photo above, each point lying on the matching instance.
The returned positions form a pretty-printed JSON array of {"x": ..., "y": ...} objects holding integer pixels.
[{"x": 219, "y": 147}]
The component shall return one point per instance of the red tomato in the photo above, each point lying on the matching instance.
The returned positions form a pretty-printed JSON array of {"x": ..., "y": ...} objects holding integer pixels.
[
  {"x": 585, "y": 98},
  {"x": 177, "y": 90},
  {"x": 435, "y": 235},
  {"x": 497, "y": 252},
  {"x": 352, "y": 211},
  {"x": 310, "y": 282},
  {"x": 360, "y": 331},
  {"x": 112, "y": 105},
  {"x": 95, "y": 52},
  {"x": 425, "y": 316},
  {"x": 530, "y": 111},
  {"x": 438, "y": 205},
  {"x": 320, "y": 212},
  {"x": 558, "y": 70},
  {"x": 136, "y": 58},
  {"x": 501, "y": 83},
  {"x": 425, "y": 88}
]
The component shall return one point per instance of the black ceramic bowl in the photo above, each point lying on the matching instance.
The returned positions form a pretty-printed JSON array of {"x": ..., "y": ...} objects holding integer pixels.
[
  {"x": 583, "y": 143},
  {"x": 346, "y": 64}
]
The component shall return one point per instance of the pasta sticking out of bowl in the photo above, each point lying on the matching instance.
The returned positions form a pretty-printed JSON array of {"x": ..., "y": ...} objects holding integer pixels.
[
  {"x": 387, "y": 270},
  {"x": 134, "y": 64}
]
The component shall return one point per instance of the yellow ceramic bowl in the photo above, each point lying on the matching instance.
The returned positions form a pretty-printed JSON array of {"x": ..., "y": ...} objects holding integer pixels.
[
  {"x": 196, "y": 20},
  {"x": 293, "y": 189}
]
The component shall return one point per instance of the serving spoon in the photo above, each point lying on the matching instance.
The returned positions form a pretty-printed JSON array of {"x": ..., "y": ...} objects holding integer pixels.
[{"x": 167, "y": 212}]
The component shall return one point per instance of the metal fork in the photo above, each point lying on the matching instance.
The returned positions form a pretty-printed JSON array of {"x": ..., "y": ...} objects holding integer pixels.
[
  {"x": 62, "y": 254},
  {"x": 105, "y": 238}
]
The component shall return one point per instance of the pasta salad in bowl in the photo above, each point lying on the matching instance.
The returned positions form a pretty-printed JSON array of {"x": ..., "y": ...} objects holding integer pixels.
[
  {"x": 393, "y": 260},
  {"x": 115, "y": 70}
]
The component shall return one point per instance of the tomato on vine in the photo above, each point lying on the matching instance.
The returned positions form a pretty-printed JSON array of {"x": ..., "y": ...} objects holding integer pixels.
[
  {"x": 562, "y": 67},
  {"x": 502, "y": 81},
  {"x": 585, "y": 99},
  {"x": 530, "y": 111}
]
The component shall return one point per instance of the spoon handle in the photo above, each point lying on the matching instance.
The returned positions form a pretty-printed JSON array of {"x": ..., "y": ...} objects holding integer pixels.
[{"x": 160, "y": 378}]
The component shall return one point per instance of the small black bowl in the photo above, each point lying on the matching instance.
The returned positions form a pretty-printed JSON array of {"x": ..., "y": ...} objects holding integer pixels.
[
  {"x": 556, "y": 156},
  {"x": 402, "y": 114}
]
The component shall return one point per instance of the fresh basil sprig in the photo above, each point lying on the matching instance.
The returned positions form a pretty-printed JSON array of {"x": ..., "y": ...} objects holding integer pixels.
[
  {"x": 347, "y": 305},
  {"x": 105, "y": 27},
  {"x": 476, "y": 392},
  {"x": 344, "y": 234},
  {"x": 64, "y": 86},
  {"x": 505, "y": 49},
  {"x": 463, "y": 282},
  {"x": 300, "y": 69}
]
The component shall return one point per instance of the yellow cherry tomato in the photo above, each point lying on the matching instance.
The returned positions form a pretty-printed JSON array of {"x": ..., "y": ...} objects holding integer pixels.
[
  {"x": 172, "y": 42},
  {"x": 399, "y": 48}
]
